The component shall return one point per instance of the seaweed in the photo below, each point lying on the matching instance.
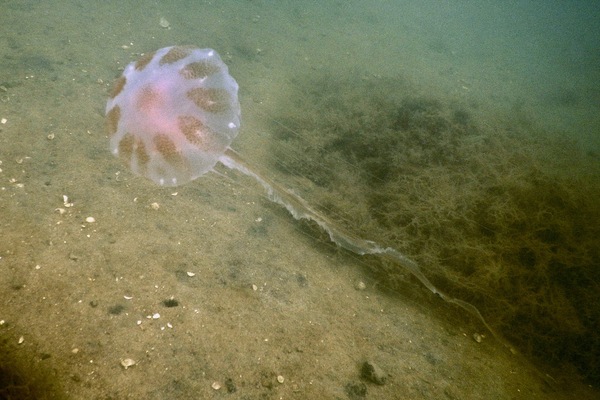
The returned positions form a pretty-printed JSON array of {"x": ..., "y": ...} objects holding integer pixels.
[{"x": 482, "y": 203}]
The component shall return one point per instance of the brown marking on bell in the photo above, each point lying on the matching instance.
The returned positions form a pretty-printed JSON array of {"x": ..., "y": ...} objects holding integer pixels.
[
  {"x": 126, "y": 147},
  {"x": 168, "y": 150},
  {"x": 175, "y": 54},
  {"x": 144, "y": 60},
  {"x": 142, "y": 156},
  {"x": 199, "y": 70},
  {"x": 147, "y": 99},
  {"x": 112, "y": 120},
  {"x": 210, "y": 100},
  {"x": 118, "y": 87},
  {"x": 197, "y": 133}
]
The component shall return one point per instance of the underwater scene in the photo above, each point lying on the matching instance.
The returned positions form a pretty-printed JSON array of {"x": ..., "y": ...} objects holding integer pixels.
[{"x": 299, "y": 200}]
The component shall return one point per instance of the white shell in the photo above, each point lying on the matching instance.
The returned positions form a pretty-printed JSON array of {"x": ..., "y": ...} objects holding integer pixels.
[{"x": 127, "y": 362}]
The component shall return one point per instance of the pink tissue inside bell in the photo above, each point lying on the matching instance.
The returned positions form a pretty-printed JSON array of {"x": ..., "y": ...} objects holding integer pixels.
[{"x": 173, "y": 113}]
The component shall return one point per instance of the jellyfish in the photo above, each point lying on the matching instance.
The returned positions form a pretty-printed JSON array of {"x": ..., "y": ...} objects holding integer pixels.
[{"x": 172, "y": 116}]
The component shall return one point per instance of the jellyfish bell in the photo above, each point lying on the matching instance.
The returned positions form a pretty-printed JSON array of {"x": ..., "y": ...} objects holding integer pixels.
[{"x": 173, "y": 113}]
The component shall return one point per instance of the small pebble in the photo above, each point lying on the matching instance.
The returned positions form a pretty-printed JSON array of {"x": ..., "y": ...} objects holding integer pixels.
[
  {"x": 66, "y": 201},
  {"x": 230, "y": 385},
  {"x": 164, "y": 23},
  {"x": 371, "y": 372},
  {"x": 90, "y": 220},
  {"x": 360, "y": 285},
  {"x": 280, "y": 379},
  {"x": 216, "y": 385}
]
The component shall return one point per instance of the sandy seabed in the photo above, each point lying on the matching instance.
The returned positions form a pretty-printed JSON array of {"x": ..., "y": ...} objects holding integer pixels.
[{"x": 219, "y": 293}]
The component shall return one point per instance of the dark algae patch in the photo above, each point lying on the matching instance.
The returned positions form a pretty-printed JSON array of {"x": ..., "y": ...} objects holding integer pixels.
[{"x": 496, "y": 212}]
